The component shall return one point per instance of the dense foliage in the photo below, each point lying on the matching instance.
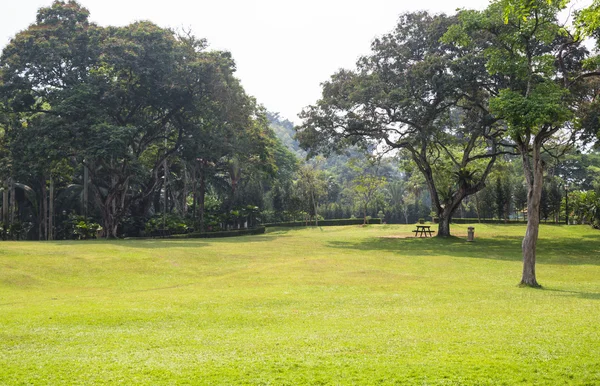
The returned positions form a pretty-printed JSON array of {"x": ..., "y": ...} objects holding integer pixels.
[{"x": 121, "y": 124}]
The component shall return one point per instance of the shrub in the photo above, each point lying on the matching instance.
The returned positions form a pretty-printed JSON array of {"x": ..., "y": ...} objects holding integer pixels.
[
  {"x": 345, "y": 221},
  {"x": 17, "y": 229},
  {"x": 171, "y": 222},
  {"x": 84, "y": 229},
  {"x": 482, "y": 221},
  {"x": 236, "y": 232}
]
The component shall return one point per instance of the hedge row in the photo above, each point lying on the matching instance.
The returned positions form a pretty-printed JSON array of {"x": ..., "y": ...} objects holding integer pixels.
[
  {"x": 484, "y": 221},
  {"x": 207, "y": 235},
  {"x": 344, "y": 221}
]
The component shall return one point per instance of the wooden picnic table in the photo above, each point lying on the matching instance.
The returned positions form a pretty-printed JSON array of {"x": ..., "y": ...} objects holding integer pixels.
[{"x": 423, "y": 231}]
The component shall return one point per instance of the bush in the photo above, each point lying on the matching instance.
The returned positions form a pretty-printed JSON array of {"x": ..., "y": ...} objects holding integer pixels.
[
  {"x": 483, "y": 221},
  {"x": 4, "y": 231},
  {"x": 171, "y": 222},
  {"x": 240, "y": 215},
  {"x": 336, "y": 222},
  {"x": 236, "y": 232},
  {"x": 84, "y": 229},
  {"x": 14, "y": 231},
  {"x": 17, "y": 229}
]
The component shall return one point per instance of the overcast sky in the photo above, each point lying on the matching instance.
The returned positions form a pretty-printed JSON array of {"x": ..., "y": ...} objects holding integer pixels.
[{"x": 283, "y": 49}]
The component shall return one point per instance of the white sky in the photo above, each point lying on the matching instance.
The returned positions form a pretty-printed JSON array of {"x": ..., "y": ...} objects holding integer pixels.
[{"x": 283, "y": 49}]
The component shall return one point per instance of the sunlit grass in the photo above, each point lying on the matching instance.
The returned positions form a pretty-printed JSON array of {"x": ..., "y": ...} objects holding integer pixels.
[{"x": 332, "y": 305}]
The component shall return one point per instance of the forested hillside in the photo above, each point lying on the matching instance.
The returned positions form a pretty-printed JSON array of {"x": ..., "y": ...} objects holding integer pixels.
[{"x": 284, "y": 130}]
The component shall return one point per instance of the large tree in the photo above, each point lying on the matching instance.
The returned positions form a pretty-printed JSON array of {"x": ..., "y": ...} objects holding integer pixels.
[
  {"x": 416, "y": 93},
  {"x": 118, "y": 100},
  {"x": 542, "y": 64},
  {"x": 39, "y": 67}
]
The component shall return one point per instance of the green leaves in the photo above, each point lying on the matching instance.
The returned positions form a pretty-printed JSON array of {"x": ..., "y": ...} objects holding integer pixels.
[
  {"x": 533, "y": 56},
  {"x": 545, "y": 105},
  {"x": 123, "y": 99},
  {"x": 529, "y": 10},
  {"x": 587, "y": 21}
]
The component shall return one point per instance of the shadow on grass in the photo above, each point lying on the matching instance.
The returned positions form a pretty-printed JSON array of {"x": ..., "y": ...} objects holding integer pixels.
[
  {"x": 133, "y": 243},
  {"x": 149, "y": 243},
  {"x": 580, "y": 251},
  {"x": 579, "y": 294},
  {"x": 279, "y": 231},
  {"x": 162, "y": 243}
]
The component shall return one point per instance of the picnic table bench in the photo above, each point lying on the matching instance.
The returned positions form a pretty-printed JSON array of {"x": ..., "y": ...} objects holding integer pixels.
[{"x": 423, "y": 231}]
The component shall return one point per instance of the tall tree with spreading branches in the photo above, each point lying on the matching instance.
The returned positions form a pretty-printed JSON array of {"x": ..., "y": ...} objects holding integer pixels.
[
  {"x": 546, "y": 71},
  {"x": 417, "y": 94}
]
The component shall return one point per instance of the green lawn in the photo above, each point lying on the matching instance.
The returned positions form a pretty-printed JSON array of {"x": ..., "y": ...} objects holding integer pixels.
[{"x": 335, "y": 305}]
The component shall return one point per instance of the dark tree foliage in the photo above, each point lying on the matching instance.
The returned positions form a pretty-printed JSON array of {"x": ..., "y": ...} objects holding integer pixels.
[
  {"x": 501, "y": 199},
  {"x": 129, "y": 105}
]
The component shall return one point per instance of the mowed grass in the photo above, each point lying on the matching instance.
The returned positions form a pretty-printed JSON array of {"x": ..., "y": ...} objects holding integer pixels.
[{"x": 331, "y": 305}]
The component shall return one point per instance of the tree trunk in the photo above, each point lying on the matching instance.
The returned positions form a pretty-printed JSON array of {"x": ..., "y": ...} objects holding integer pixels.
[
  {"x": 45, "y": 208},
  {"x": 444, "y": 226},
  {"x": 315, "y": 205},
  {"x": 110, "y": 222},
  {"x": 40, "y": 219},
  {"x": 184, "y": 205},
  {"x": 51, "y": 211},
  {"x": 13, "y": 202},
  {"x": 113, "y": 206},
  {"x": 111, "y": 231},
  {"x": 529, "y": 247},
  {"x": 234, "y": 186},
  {"x": 445, "y": 217},
  {"x": 118, "y": 209},
  {"x": 447, "y": 212},
  {"x": 477, "y": 208},
  {"x": 5, "y": 203},
  {"x": 201, "y": 197},
  {"x": 534, "y": 177},
  {"x": 194, "y": 194},
  {"x": 165, "y": 195},
  {"x": 86, "y": 177}
]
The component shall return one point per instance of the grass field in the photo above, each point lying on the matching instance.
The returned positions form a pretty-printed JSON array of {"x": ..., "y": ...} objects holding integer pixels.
[{"x": 335, "y": 305}]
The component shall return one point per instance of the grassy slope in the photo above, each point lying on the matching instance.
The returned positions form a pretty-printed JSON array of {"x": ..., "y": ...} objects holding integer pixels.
[{"x": 336, "y": 305}]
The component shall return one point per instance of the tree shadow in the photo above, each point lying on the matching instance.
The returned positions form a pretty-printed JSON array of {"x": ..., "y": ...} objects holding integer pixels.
[
  {"x": 137, "y": 244},
  {"x": 581, "y": 251},
  {"x": 279, "y": 231},
  {"x": 150, "y": 243},
  {"x": 579, "y": 294}
]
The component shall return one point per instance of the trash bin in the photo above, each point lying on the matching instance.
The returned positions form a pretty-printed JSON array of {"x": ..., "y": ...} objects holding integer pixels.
[{"x": 471, "y": 234}]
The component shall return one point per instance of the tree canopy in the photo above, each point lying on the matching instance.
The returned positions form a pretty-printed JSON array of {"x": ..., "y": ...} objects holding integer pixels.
[
  {"x": 123, "y": 102},
  {"x": 420, "y": 95}
]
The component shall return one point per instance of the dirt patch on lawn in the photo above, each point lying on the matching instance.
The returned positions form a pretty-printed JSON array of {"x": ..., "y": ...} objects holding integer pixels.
[{"x": 412, "y": 236}]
